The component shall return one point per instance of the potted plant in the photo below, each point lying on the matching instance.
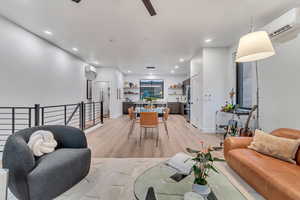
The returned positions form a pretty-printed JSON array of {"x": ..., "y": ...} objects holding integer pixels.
[
  {"x": 203, "y": 165},
  {"x": 150, "y": 100}
]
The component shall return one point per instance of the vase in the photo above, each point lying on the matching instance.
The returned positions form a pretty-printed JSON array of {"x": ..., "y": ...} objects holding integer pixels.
[{"x": 203, "y": 190}]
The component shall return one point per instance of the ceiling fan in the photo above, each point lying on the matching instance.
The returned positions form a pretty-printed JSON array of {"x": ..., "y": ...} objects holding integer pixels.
[
  {"x": 149, "y": 7},
  {"x": 147, "y": 4}
]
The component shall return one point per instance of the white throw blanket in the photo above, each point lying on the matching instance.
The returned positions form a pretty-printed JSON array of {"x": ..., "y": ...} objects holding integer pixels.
[{"x": 42, "y": 142}]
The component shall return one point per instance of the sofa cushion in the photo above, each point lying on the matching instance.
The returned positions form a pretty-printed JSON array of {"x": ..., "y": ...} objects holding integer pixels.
[
  {"x": 273, "y": 178},
  {"x": 58, "y": 172},
  {"x": 278, "y": 147},
  {"x": 289, "y": 133}
]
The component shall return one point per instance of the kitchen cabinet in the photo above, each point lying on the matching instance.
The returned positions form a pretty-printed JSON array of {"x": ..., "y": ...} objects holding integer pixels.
[{"x": 176, "y": 107}]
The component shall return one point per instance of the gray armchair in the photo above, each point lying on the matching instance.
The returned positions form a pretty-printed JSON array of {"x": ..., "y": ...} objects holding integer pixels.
[{"x": 46, "y": 177}]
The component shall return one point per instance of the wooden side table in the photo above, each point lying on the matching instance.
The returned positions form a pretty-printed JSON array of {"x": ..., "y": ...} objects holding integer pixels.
[{"x": 3, "y": 183}]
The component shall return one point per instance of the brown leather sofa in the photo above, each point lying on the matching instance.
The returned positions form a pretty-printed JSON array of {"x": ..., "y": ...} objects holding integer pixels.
[{"x": 272, "y": 178}]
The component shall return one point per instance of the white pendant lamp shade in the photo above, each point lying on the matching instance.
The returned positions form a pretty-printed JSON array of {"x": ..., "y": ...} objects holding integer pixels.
[{"x": 255, "y": 46}]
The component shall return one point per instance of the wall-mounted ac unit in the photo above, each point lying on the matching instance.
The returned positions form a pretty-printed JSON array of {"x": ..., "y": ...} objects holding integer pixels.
[
  {"x": 286, "y": 27},
  {"x": 90, "y": 73}
]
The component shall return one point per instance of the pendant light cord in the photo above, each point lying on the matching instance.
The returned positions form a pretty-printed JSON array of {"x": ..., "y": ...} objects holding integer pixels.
[{"x": 252, "y": 24}]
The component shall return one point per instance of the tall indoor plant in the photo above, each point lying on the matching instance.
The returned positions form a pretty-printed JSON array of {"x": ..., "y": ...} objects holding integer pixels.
[{"x": 204, "y": 163}]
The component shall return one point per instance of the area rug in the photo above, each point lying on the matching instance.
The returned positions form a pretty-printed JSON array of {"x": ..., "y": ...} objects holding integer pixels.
[{"x": 113, "y": 179}]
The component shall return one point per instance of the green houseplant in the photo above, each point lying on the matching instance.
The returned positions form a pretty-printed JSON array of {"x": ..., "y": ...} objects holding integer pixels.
[{"x": 204, "y": 163}]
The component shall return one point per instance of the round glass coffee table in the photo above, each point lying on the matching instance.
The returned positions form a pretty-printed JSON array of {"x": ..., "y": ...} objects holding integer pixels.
[{"x": 165, "y": 188}]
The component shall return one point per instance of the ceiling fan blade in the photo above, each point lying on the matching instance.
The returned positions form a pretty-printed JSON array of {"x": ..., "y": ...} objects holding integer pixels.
[{"x": 149, "y": 7}]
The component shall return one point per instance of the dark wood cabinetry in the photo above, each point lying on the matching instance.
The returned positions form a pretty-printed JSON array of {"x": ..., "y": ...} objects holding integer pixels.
[
  {"x": 182, "y": 108},
  {"x": 176, "y": 108}
]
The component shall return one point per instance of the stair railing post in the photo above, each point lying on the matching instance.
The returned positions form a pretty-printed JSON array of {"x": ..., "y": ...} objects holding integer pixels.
[
  {"x": 81, "y": 116},
  {"x": 43, "y": 116},
  {"x": 37, "y": 114},
  {"x": 94, "y": 118},
  {"x": 101, "y": 111},
  {"x": 65, "y": 115},
  {"x": 13, "y": 117}
]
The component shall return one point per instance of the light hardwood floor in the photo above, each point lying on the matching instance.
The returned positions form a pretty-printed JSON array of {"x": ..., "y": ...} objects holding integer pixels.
[{"x": 111, "y": 141}]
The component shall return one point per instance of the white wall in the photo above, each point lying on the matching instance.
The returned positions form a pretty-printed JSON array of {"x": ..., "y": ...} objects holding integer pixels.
[
  {"x": 168, "y": 80},
  {"x": 196, "y": 65},
  {"x": 196, "y": 73},
  {"x": 213, "y": 70},
  {"x": 280, "y": 86},
  {"x": 116, "y": 80},
  {"x": 215, "y": 67},
  {"x": 33, "y": 71}
]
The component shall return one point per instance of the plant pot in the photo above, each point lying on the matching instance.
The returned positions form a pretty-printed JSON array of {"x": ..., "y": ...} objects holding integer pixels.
[{"x": 203, "y": 190}]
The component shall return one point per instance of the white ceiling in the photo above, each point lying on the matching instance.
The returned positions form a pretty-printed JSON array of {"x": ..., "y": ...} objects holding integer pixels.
[{"x": 121, "y": 33}]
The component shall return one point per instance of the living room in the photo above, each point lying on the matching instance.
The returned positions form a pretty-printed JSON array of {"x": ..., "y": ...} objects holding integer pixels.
[{"x": 149, "y": 100}]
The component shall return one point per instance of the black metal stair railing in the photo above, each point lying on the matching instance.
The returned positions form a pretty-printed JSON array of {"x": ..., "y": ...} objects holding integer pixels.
[
  {"x": 60, "y": 115},
  {"x": 13, "y": 119},
  {"x": 92, "y": 114},
  {"x": 81, "y": 115}
]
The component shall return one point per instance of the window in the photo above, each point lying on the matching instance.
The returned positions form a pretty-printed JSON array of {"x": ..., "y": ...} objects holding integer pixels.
[
  {"x": 152, "y": 88},
  {"x": 244, "y": 80}
]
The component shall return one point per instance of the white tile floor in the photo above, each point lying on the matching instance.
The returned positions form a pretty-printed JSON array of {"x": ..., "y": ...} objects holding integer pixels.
[
  {"x": 113, "y": 179},
  {"x": 109, "y": 179}
]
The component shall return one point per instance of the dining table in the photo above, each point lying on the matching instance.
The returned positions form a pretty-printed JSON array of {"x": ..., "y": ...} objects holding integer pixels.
[{"x": 159, "y": 110}]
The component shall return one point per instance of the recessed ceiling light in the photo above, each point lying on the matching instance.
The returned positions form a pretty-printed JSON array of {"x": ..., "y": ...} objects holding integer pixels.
[
  {"x": 47, "y": 32},
  {"x": 129, "y": 71},
  {"x": 208, "y": 40},
  {"x": 176, "y": 67},
  {"x": 172, "y": 71},
  {"x": 75, "y": 49},
  {"x": 181, "y": 60}
]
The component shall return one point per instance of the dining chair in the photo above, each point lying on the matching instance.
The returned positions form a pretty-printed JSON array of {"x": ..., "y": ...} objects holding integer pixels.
[
  {"x": 165, "y": 119},
  {"x": 149, "y": 120},
  {"x": 147, "y": 107},
  {"x": 131, "y": 113}
]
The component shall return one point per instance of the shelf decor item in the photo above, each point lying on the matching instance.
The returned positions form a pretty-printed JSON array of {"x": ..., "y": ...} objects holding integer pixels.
[
  {"x": 3, "y": 183},
  {"x": 204, "y": 163}
]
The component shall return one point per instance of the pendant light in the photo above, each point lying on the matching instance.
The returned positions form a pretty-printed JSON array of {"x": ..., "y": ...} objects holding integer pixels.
[{"x": 255, "y": 46}]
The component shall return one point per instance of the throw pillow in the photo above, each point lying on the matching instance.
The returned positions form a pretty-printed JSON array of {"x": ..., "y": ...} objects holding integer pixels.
[
  {"x": 42, "y": 142},
  {"x": 278, "y": 147}
]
